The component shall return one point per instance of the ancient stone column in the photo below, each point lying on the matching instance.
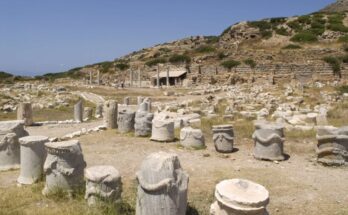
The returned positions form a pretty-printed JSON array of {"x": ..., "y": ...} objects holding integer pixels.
[
  {"x": 162, "y": 130},
  {"x": 269, "y": 139},
  {"x": 87, "y": 113},
  {"x": 332, "y": 146},
  {"x": 25, "y": 113},
  {"x": 78, "y": 112},
  {"x": 158, "y": 77},
  {"x": 90, "y": 78},
  {"x": 223, "y": 137},
  {"x": 139, "y": 77},
  {"x": 126, "y": 100},
  {"x": 103, "y": 183},
  {"x": 64, "y": 166},
  {"x": 192, "y": 138},
  {"x": 125, "y": 121},
  {"x": 143, "y": 121},
  {"x": 162, "y": 188},
  {"x": 10, "y": 132},
  {"x": 98, "y": 77},
  {"x": 131, "y": 77},
  {"x": 110, "y": 114},
  {"x": 33, "y": 156},
  {"x": 240, "y": 196},
  {"x": 99, "y": 111},
  {"x": 168, "y": 84}
]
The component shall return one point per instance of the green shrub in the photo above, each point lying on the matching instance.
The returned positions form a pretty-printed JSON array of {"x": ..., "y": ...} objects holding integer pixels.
[
  {"x": 250, "y": 62},
  {"x": 344, "y": 59},
  {"x": 304, "y": 19},
  {"x": 4, "y": 75},
  {"x": 122, "y": 66},
  {"x": 205, "y": 49},
  {"x": 229, "y": 64},
  {"x": 303, "y": 37},
  {"x": 343, "y": 39},
  {"x": 339, "y": 27},
  {"x": 266, "y": 34},
  {"x": 105, "y": 66},
  {"x": 292, "y": 46},
  {"x": 222, "y": 55},
  {"x": 156, "y": 61},
  {"x": 342, "y": 89},
  {"x": 345, "y": 47},
  {"x": 334, "y": 62},
  {"x": 165, "y": 50},
  {"x": 180, "y": 59},
  {"x": 336, "y": 18},
  {"x": 262, "y": 25},
  {"x": 212, "y": 39},
  {"x": 277, "y": 20},
  {"x": 295, "y": 25},
  {"x": 282, "y": 31}
]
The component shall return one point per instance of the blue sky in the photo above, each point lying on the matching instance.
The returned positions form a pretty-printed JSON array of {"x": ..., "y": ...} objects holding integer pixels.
[{"x": 41, "y": 36}]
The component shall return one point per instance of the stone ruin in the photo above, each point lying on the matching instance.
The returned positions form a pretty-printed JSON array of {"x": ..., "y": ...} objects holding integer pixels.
[
  {"x": 143, "y": 120},
  {"x": 25, "y": 113},
  {"x": 110, "y": 114},
  {"x": 87, "y": 113},
  {"x": 99, "y": 111},
  {"x": 240, "y": 196},
  {"x": 64, "y": 166},
  {"x": 102, "y": 183},
  {"x": 78, "y": 111},
  {"x": 332, "y": 147},
  {"x": 162, "y": 130},
  {"x": 269, "y": 139},
  {"x": 192, "y": 138},
  {"x": 223, "y": 137},
  {"x": 125, "y": 121},
  {"x": 162, "y": 188},
  {"x": 32, "y": 156},
  {"x": 10, "y": 132}
]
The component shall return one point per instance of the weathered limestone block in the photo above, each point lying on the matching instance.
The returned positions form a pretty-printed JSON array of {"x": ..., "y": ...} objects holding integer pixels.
[
  {"x": 25, "y": 113},
  {"x": 332, "y": 147},
  {"x": 33, "y": 156},
  {"x": 99, "y": 111},
  {"x": 102, "y": 183},
  {"x": 10, "y": 132},
  {"x": 143, "y": 121},
  {"x": 78, "y": 112},
  {"x": 126, "y": 100},
  {"x": 110, "y": 114},
  {"x": 64, "y": 166},
  {"x": 162, "y": 130},
  {"x": 269, "y": 139},
  {"x": 190, "y": 137},
  {"x": 140, "y": 99},
  {"x": 87, "y": 113},
  {"x": 239, "y": 196},
  {"x": 223, "y": 137},
  {"x": 125, "y": 121},
  {"x": 162, "y": 188}
]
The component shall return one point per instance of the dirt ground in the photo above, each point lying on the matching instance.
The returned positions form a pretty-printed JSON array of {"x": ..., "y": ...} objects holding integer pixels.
[{"x": 297, "y": 186}]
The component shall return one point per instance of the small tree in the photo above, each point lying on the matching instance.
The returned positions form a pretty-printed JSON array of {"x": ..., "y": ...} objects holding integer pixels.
[
  {"x": 229, "y": 64},
  {"x": 335, "y": 64}
]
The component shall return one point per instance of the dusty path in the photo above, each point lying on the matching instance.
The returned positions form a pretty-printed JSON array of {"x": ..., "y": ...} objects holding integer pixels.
[{"x": 91, "y": 97}]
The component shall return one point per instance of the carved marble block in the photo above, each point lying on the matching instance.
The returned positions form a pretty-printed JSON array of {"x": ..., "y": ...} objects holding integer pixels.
[
  {"x": 78, "y": 111},
  {"x": 223, "y": 137},
  {"x": 102, "y": 183},
  {"x": 64, "y": 166},
  {"x": 33, "y": 156},
  {"x": 10, "y": 132},
  {"x": 110, "y": 114},
  {"x": 239, "y": 196},
  {"x": 269, "y": 139},
  {"x": 162, "y": 188},
  {"x": 332, "y": 147},
  {"x": 25, "y": 113},
  {"x": 162, "y": 130},
  {"x": 143, "y": 121},
  {"x": 99, "y": 111},
  {"x": 190, "y": 137},
  {"x": 125, "y": 121}
]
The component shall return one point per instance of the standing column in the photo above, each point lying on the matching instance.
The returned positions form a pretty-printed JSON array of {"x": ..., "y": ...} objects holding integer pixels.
[
  {"x": 25, "y": 113},
  {"x": 90, "y": 77},
  {"x": 110, "y": 114},
  {"x": 98, "y": 77},
  {"x": 139, "y": 77},
  {"x": 131, "y": 77},
  {"x": 78, "y": 111},
  {"x": 168, "y": 77},
  {"x": 158, "y": 77}
]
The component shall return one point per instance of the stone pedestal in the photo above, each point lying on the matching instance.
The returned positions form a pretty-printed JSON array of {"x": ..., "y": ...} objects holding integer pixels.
[
  {"x": 269, "y": 139},
  {"x": 78, "y": 112},
  {"x": 99, "y": 111},
  {"x": 223, "y": 137},
  {"x": 239, "y": 196},
  {"x": 125, "y": 121},
  {"x": 102, "y": 183},
  {"x": 192, "y": 138},
  {"x": 162, "y": 188},
  {"x": 25, "y": 113},
  {"x": 143, "y": 121},
  {"x": 33, "y": 155},
  {"x": 10, "y": 132},
  {"x": 64, "y": 166},
  {"x": 87, "y": 113},
  {"x": 110, "y": 114},
  {"x": 332, "y": 147},
  {"x": 162, "y": 130}
]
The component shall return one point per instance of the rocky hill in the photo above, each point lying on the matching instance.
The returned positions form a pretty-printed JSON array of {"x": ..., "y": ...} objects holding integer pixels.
[{"x": 339, "y": 6}]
